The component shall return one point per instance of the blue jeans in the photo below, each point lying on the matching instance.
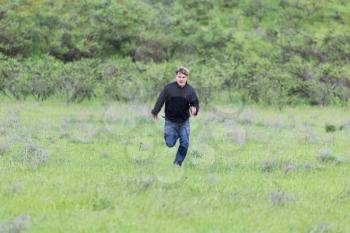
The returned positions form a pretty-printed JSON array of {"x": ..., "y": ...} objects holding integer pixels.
[{"x": 173, "y": 131}]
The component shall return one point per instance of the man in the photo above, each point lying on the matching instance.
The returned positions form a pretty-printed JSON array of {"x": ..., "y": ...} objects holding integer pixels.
[{"x": 180, "y": 99}]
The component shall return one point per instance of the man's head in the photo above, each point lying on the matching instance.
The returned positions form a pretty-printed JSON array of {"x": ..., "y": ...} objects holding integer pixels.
[{"x": 181, "y": 76}]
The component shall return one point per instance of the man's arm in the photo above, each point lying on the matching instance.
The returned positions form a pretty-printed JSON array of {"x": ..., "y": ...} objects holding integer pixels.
[
  {"x": 159, "y": 104},
  {"x": 194, "y": 103}
]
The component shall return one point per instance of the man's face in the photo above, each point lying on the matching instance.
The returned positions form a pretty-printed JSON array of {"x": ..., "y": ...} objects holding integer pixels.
[{"x": 181, "y": 79}]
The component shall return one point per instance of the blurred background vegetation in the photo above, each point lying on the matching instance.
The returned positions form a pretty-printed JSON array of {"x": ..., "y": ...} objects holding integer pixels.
[{"x": 275, "y": 52}]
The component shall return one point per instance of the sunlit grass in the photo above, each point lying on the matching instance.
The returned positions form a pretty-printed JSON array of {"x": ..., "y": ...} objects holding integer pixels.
[{"x": 105, "y": 168}]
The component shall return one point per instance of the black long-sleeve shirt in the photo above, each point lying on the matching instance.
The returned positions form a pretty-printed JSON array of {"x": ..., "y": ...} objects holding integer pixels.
[{"x": 177, "y": 101}]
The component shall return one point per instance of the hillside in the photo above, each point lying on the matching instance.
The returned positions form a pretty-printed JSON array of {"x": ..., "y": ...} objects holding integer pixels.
[{"x": 274, "y": 52}]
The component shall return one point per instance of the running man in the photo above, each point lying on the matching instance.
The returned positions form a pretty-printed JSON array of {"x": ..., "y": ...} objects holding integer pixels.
[{"x": 180, "y": 100}]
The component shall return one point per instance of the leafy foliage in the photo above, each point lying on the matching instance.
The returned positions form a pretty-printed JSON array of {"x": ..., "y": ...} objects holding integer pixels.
[{"x": 277, "y": 52}]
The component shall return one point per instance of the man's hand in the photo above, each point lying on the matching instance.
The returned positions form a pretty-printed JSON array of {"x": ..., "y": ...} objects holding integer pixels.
[
  {"x": 153, "y": 116},
  {"x": 193, "y": 110}
]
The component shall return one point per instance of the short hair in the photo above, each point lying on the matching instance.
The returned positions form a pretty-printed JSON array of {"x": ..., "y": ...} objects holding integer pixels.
[{"x": 182, "y": 70}]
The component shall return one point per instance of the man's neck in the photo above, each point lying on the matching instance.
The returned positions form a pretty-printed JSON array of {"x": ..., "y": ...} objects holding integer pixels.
[{"x": 181, "y": 86}]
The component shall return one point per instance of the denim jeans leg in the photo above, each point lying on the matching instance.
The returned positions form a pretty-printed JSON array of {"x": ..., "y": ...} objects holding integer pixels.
[
  {"x": 184, "y": 143},
  {"x": 185, "y": 134},
  {"x": 170, "y": 133}
]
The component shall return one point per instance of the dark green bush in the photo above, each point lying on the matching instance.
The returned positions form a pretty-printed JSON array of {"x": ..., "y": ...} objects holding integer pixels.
[
  {"x": 330, "y": 128},
  {"x": 277, "y": 52}
]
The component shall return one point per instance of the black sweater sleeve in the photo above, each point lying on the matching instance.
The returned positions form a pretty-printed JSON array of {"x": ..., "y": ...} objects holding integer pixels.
[
  {"x": 194, "y": 101},
  {"x": 160, "y": 101}
]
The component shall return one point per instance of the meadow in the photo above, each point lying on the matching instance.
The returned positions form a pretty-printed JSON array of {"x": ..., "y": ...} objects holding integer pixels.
[
  {"x": 103, "y": 167},
  {"x": 79, "y": 153}
]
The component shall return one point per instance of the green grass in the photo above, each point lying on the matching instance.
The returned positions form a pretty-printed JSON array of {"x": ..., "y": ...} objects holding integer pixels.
[{"x": 254, "y": 170}]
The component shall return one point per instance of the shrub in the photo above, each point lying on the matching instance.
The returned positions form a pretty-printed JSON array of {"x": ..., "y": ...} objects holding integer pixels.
[
  {"x": 100, "y": 201},
  {"x": 330, "y": 128},
  {"x": 280, "y": 197},
  {"x": 325, "y": 155},
  {"x": 34, "y": 156},
  {"x": 17, "y": 225},
  {"x": 250, "y": 51},
  {"x": 3, "y": 148}
]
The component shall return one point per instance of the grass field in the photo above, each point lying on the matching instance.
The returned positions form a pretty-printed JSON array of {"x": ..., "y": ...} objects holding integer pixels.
[{"x": 105, "y": 168}]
